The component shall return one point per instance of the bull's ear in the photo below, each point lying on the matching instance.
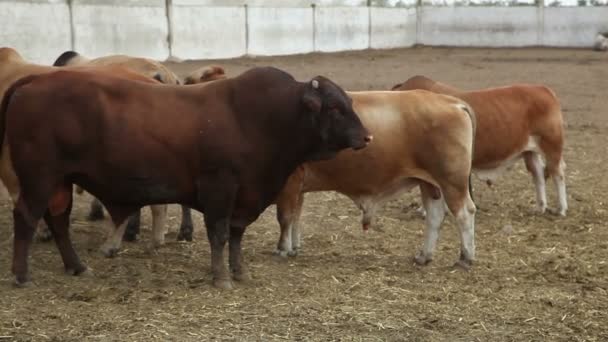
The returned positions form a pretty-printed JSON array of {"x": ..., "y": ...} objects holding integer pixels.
[{"x": 312, "y": 98}]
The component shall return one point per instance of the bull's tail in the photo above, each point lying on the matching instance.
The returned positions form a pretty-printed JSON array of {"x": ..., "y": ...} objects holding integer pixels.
[
  {"x": 6, "y": 101},
  {"x": 467, "y": 108}
]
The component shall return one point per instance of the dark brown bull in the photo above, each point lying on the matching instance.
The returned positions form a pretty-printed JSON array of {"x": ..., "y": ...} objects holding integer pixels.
[{"x": 227, "y": 151}]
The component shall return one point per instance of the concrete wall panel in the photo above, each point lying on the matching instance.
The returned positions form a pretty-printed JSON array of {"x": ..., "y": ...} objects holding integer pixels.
[
  {"x": 38, "y": 30},
  {"x": 573, "y": 26},
  {"x": 479, "y": 26},
  {"x": 121, "y": 27},
  {"x": 341, "y": 28},
  {"x": 280, "y": 31},
  {"x": 208, "y": 32},
  {"x": 392, "y": 27}
]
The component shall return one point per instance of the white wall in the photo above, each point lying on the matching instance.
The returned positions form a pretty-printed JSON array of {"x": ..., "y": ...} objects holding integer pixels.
[
  {"x": 573, "y": 26},
  {"x": 39, "y": 30},
  {"x": 392, "y": 27},
  {"x": 279, "y": 30},
  {"x": 133, "y": 27},
  {"x": 203, "y": 29},
  {"x": 207, "y": 32},
  {"x": 479, "y": 26},
  {"x": 341, "y": 28}
]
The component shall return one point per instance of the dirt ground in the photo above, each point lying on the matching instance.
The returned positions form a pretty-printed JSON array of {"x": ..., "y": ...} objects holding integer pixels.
[{"x": 537, "y": 277}]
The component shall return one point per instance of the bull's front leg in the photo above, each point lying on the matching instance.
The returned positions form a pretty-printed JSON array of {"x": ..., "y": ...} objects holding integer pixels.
[
  {"x": 218, "y": 231},
  {"x": 239, "y": 269},
  {"x": 186, "y": 228}
]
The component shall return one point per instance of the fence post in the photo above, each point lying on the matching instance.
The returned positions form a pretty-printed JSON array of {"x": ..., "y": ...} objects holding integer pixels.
[
  {"x": 169, "y": 15},
  {"x": 314, "y": 26},
  {"x": 540, "y": 18},
  {"x": 418, "y": 22},
  {"x": 72, "y": 27}
]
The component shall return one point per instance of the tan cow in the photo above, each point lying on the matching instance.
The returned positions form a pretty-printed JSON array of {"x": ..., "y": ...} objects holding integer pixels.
[
  {"x": 144, "y": 66},
  {"x": 420, "y": 139},
  {"x": 205, "y": 74},
  {"x": 12, "y": 68},
  {"x": 523, "y": 120}
]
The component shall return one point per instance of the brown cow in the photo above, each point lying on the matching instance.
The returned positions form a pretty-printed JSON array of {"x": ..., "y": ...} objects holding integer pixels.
[
  {"x": 14, "y": 67},
  {"x": 227, "y": 153},
  {"x": 152, "y": 69},
  {"x": 420, "y": 139},
  {"x": 523, "y": 120}
]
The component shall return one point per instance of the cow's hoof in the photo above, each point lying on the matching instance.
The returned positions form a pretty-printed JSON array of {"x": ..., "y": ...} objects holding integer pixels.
[
  {"x": 422, "y": 260},
  {"x": 293, "y": 252},
  {"x": 242, "y": 276},
  {"x": 556, "y": 212},
  {"x": 109, "y": 252},
  {"x": 224, "y": 284},
  {"x": 129, "y": 237},
  {"x": 81, "y": 271},
  {"x": 464, "y": 264},
  {"x": 96, "y": 215},
  {"x": 280, "y": 253}
]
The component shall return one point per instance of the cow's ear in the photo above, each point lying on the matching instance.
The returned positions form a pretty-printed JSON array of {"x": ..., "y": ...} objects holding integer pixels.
[{"x": 312, "y": 97}]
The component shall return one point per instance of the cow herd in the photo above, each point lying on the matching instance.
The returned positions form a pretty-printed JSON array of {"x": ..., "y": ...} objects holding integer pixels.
[{"x": 131, "y": 133}]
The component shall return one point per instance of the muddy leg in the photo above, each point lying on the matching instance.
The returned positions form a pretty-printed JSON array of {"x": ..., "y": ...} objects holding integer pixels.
[
  {"x": 186, "y": 228},
  {"x": 24, "y": 232},
  {"x": 60, "y": 225},
  {"x": 435, "y": 214},
  {"x": 238, "y": 268},
  {"x": 289, "y": 210},
  {"x": 133, "y": 227}
]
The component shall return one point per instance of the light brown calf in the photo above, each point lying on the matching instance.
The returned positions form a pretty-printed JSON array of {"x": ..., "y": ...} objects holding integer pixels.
[
  {"x": 523, "y": 120},
  {"x": 420, "y": 139},
  {"x": 12, "y": 68}
]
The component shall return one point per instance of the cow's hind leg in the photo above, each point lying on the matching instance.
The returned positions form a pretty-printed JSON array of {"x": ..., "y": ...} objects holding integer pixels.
[
  {"x": 289, "y": 209},
  {"x": 433, "y": 204},
  {"x": 187, "y": 227},
  {"x": 535, "y": 166},
  {"x": 557, "y": 173},
  {"x": 159, "y": 224},
  {"x": 462, "y": 207}
]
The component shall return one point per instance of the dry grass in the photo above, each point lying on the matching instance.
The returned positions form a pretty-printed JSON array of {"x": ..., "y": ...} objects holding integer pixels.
[{"x": 538, "y": 278}]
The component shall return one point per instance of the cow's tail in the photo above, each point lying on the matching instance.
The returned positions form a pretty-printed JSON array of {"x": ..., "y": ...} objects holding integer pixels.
[
  {"x": 6, "y": 99},
  {"x": 467, "y": 108}
]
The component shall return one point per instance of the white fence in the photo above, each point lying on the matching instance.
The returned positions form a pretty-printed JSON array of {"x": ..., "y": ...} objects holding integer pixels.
[{"x": 204, "y": 29}]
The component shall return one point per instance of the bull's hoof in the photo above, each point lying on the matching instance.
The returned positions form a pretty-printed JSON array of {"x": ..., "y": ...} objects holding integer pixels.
[
  {"x": 109, "y": 252},
  {"x": 556, "y": 212},
  {"x": 224, "y": 284},
  {"x": 96, "y": 214},
  {"x": 44, "y": 235},
  {"x": 185, "y": 234},
  {"x": 81, "y": 271},
  {"x": 422, "y": 260},
  {"x": 464, "y": 264},
  {"x": 242, "y": 276},
  {"x": 23, "y": 282},
  {"x": 293, "y": 252}
]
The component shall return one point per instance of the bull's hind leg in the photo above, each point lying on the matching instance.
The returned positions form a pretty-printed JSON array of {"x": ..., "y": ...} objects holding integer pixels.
[
  {"x": 535, "y": 166},
  {"x": 462, "y": 207},
  {"x": 58, "y": 221},
  {"x": 187, "y": 227},
  {"x": 433, "y": 204},
  {"x": 24, "y": 233}
]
